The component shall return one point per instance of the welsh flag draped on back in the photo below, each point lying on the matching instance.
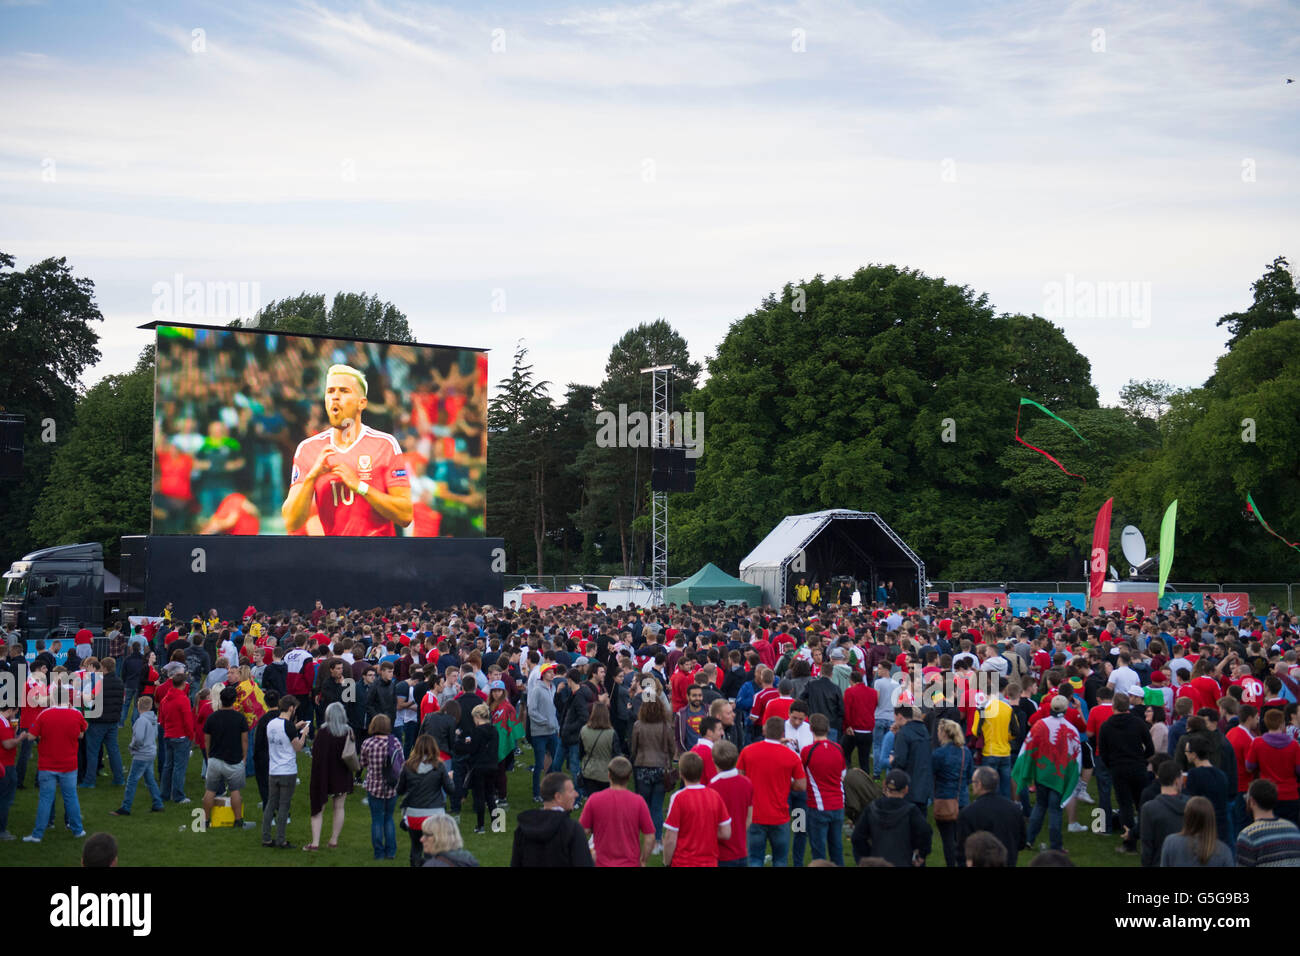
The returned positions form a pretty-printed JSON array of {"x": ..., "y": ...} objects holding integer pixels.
[
  {"x": 509, "y": 732},
  {"x": 1049, "y": 757}
]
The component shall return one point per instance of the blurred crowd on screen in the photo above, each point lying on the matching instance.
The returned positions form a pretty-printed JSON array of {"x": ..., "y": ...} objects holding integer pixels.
[{"x": 231, "y": 408}]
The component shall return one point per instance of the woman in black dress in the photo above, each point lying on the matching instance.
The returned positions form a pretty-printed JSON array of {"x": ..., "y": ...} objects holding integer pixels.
[{"x": 331, "y": 777}]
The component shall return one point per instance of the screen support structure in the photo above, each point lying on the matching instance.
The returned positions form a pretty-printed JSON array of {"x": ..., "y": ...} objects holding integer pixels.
[{"x": 661, "y": 377}]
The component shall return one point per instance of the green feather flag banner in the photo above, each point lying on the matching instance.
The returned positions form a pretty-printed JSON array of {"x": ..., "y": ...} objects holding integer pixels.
[
  {"x": 1167, "y": 544},
  {"x": 1250, "y": 505},
  {"x": 1050, "y": 414}
]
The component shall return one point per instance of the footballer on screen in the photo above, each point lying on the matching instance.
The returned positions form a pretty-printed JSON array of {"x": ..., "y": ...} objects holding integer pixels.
[{"x": 350, "y": 479}]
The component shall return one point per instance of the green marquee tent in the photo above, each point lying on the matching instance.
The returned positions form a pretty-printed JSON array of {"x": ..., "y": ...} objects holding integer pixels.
[{"x": 709, "y": 585}]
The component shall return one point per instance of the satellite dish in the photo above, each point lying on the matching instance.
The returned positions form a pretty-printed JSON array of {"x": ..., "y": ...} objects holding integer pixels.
[
  {"x": 1114, "y": 575},
  {"x": 1133, "y": 545}
]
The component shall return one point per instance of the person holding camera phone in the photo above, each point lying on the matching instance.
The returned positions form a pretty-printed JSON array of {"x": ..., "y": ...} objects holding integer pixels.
[{"x": 285, "y": 739}]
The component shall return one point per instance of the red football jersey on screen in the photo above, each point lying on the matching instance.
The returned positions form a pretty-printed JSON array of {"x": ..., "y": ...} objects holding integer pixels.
[
  {"x": 377, "y": 459},
  {"x": 174, "y": 474},
  {"x": 232, "y": 506}
]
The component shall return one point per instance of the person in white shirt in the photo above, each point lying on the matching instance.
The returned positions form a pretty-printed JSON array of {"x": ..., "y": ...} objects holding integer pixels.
[
  {"x": 797, "y": 732},
  {"x": 284, "y": 741},
  {"x": 1181, "y": 670},
  {"x": 230, "y": 652},
  {"x": 1124, "y": 678},
  {"x": 964, "y": 656}
]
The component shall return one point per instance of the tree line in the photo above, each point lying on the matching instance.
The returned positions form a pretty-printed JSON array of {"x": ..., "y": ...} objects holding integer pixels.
[{"x": 887, "y": 391}]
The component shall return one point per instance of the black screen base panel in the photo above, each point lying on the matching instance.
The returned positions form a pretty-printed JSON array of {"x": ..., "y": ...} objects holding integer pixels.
[{"x": 281, "y": 573}]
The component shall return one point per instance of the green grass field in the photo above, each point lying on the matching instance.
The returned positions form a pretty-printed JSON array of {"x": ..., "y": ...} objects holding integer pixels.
[{"x": 168, "y": 839}]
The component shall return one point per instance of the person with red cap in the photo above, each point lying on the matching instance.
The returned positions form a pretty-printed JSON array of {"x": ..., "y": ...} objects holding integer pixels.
[{"x": 1160, "y": 682}]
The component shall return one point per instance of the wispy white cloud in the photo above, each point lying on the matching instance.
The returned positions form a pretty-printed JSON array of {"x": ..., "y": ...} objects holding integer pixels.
[{"x": 675, "y": 157}]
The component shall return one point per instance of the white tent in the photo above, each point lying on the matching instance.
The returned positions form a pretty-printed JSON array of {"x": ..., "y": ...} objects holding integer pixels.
[{"x": 828, "y": 542}]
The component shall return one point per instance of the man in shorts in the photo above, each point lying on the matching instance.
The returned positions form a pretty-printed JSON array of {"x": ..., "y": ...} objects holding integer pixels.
[{"x": 226, "y": 736}]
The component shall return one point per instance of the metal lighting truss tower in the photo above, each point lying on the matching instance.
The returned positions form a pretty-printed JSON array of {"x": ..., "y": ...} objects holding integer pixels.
[{"x": 661, "y": 377}]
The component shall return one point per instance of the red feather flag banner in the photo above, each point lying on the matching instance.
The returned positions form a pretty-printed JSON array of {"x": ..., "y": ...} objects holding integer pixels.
[
  {"x": 1100, "y": 549},
  {"x": 1050, "y": 414},
  {"x": 1250, "y": 505}
]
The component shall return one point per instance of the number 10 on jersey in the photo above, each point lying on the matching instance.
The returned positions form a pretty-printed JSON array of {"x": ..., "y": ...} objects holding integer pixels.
[{"x": 342, "y": 493}]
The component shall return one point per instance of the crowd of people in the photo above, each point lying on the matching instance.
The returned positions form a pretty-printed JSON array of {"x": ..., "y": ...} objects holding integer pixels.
[{"x": 720, "y": 735}]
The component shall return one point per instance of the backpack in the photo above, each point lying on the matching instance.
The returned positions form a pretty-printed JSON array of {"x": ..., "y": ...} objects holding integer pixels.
[
  {"x": 194, "y": 663},
  {"x": 392, "y": 765},
  {"x": 860, "y": 791},
  {"x": 784, "y": 663},
  {"x": 1016, "y": 667}
]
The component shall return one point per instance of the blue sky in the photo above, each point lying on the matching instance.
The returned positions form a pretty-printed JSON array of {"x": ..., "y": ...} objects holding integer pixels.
[{"x": 589, "y": 167}]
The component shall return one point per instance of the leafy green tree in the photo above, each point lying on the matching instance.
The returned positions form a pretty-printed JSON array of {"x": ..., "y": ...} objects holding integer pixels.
[
  {"x": 1145, "y": 399},
  {"x": 100, "y": 481},
  {"x": 351, "y": 315},
  {"x": 46, "y": 343},
  {"x": 1239, "y": 433},
  {"x": 888, "y": 391},
  {"x": 1276, "y": 300},
  {"x": 568, "y": 482},
  {"x": 521, "y": 423},
  {"x": 366, "y": 317},
  {"x": 615, "y": 505}
]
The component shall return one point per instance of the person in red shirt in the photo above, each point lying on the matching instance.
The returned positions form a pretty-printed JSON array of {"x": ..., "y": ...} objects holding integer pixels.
[
  {"x": 1099, "y": 714},
  {"x": 859, "y": 720},
  {"x": 737, "y": 792},
  {"x": 176, "y": 719},
  {"x": 1071, "y": 714},
  {"x": 682, "y": 680},
  {"x": 765, "y": 694},
  {"x": 1204, "y": 687},
  {"x": 1252, "y": 688},
  {"x": 779, "y": 706},
  {"x": 1275, "y": 756},
  {"x": 174, "y": 495},
  {"x": 1241, "y": 737},
  {"x": 9, "y": 743},
  {"x": 618, "y": 821},
  {"x": 58, "y": 728},
  {"x": 710, "y": 734},
  {"x": 203, "y": 709},
  {"x": 425, "y": 522},
  {"x": 235, "y": 515},
  {"x": 766, "y": 653},
  {"x": 429, "y": 702},
  {"x": 775, "y": 770},
  {"x": 351, "y": 476},
  {"x": 698, "y": 822},
  {"x": 825, "y": 765},
  {"x": 35, "y": 699}
]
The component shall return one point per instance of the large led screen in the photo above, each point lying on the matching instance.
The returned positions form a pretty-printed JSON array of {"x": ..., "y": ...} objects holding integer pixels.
[{"x": 265, "y": 433}]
